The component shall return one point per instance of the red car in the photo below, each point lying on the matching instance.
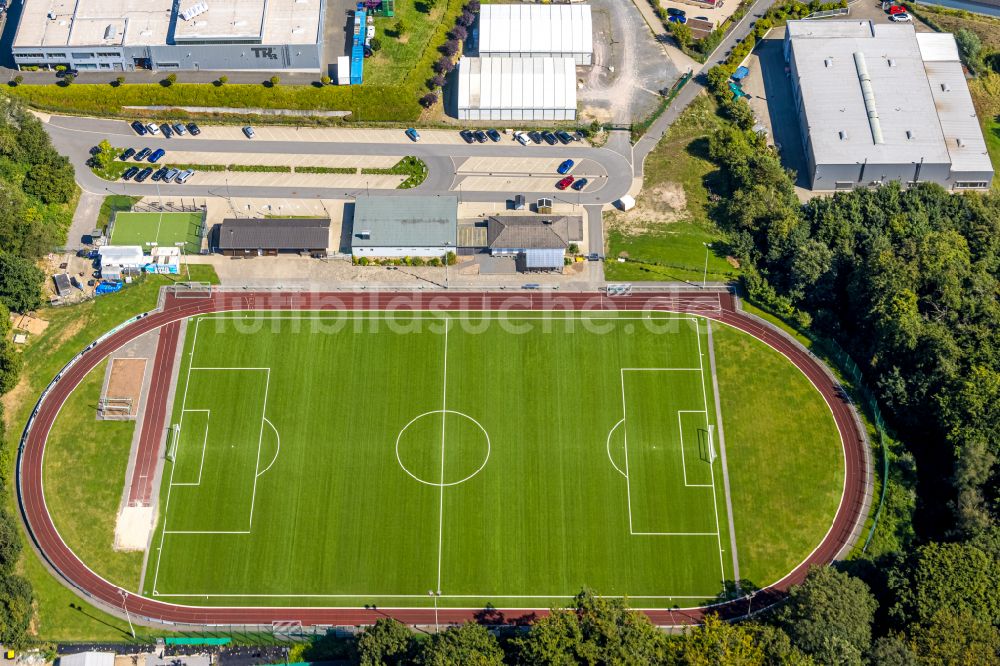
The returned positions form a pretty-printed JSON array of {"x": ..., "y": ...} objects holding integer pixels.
[
  {"x": 897, "y": 9},
  {"x": 564, "y": 183}
]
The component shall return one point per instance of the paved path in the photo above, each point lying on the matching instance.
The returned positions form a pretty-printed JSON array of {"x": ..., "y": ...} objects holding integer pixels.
[{"x": 720, "y": 306}]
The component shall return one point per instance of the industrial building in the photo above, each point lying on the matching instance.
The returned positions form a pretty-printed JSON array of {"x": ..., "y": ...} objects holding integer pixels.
[
  {"x": 516, "y": 89},
  {"x": 524, "y": 31},
  {"x": 405, "y": 226},
  {"x": 248, "y": 237},
  {"x": 125, "y": 35},
  {"x": 881, "y": 102}
]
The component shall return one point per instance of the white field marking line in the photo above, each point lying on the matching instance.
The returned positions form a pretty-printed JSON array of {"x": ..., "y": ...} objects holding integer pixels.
[
  {"x": 444, "y": 418},
  {"x": 628, "y": 482},
  {"x": 427, "y": 314},
  {"x": 277, "y": 450},
  {"x": 680, "y": 428},
  {"x": 662, "y": 369},
  {"x": 608, "y": 447},
  {"x": 204, "y": 446},
  {"x": 715, "y": 503},
  {"x": 260, "y": 442}
]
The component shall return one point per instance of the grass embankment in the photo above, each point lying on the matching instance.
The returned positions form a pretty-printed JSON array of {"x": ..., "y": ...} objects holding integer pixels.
[
  {"x": 413, "y": 168},
  {"x": 60, "y": 614},
  {"x": 784, "y": 454},
  {"x": 664, "y": 236}
]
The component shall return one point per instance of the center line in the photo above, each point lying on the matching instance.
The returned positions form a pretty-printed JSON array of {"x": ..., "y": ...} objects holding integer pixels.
[{"x": 444, "y": 416}]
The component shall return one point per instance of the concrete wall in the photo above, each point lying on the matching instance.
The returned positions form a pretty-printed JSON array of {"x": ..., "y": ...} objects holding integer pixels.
[{"x": 826, "y": 176}]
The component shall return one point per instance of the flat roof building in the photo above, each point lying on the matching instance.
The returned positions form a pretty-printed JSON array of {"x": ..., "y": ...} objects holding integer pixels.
[
  {"x": 524, "y": 31},
  {"x": 881, "y": 102},
  {"x": 124, "y": 35},
  {"x": 405, "y": 226},
  {"x": 516, "y": 89},
  {"x": 270, "y": 236},
  {"x": 537, "y": 242}
]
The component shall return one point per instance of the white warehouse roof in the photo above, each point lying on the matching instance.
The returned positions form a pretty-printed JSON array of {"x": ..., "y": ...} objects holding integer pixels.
[
  {"x": 516, "y": 89},
  {"x": 547, "y": 30}
]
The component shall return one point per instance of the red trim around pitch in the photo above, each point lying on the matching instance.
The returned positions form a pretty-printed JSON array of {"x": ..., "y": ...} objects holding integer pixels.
[{"x": 75, "y": 573}]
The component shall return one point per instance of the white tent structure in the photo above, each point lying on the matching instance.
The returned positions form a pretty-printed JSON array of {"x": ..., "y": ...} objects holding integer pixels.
[
  {"x": 523, "y": 31},
  {"x": 516, "y": 89}
]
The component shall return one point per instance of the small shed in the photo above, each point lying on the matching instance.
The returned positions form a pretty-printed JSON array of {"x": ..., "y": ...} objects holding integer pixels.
[{"x": 62, "y": 283}]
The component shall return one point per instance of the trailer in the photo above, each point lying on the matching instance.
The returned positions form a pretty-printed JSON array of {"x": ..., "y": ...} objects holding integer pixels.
[{"x": 343, "y": 71}]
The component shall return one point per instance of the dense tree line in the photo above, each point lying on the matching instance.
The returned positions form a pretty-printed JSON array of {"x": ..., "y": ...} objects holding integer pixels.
[
  {"x": 36, "y": 193},
  {"x": 908, "y": 283}
]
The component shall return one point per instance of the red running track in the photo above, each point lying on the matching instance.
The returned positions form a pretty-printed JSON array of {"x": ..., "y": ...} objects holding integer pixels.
[
  {"x": 148, "y": 454},
  {"x": 715, "y": 305}
]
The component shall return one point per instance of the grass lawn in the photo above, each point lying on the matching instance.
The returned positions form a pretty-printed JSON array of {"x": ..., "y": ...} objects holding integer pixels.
[
  {"x": 166, "y": 229},
  {"x": 84, "y": 474},
  {"x": 400, "y": 55},
  {"x": 786, "y": 469},
  {"x": 664, "y": 236},
  {"x": 70, "y": 330},
  {"x": 112, "y": 203}
]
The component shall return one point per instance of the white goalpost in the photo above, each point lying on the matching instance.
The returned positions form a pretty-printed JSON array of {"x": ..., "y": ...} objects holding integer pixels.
[
  {"x": 175, "y": 433},
  {"x": 711, "y": 444}
]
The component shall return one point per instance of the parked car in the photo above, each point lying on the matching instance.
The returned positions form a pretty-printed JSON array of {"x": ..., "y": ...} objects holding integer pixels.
[
  {"x": 493, "y": 134},
  {"x": 522, "y": 138},
  {"x": 180, "y": 129},
  {"x": 153, "y": 128},
  {"x": 673, "y": 11},
  {"x": 897, "y": 9},
  {"x": 144, "y": 174},
  {"x": 142, "y": 154},
  {"x": 593, "y": 256},
  {"x": 565, "y": 167},
  {"x": 157, "y": 154},
  {"x": 183, "y": 176},
  {"x": 564, "y": 183},
  {"x": 129, "y": 152},
  {"x": 139, "y": 128},
  {"x": 168, "y": 131},
  {"x": 678, "y": 18},
  {"x": 481, "y": 136},
  {"x": 69, "y": 71},
  {"x": 130, "y": 172},
  {"x": 549, "y": 138},
  {"x": 902, "y": 17},
  {"x": 248, "y": 131},
  {"x": 580, "y": 184},
  {"x": 535, "y": 136},
  {"x": 413, "y": 134},
  {"x": 170, "y": 174},
  {"x": 194, "y": 129},
  {"x": 468, "y": 136},
  {"x": 160, "y": 174},
  {"x": 564, "y": 137}
]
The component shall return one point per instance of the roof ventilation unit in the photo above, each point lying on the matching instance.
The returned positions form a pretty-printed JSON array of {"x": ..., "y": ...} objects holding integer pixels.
[
  {"x": 945, "y": 87},
  {"x": 828, "y": 62},
  {"x": 869, "y": 97},
  {"x": 843, "y": 135},
  {"x": 195, "y": 10},
  {"x": 110, "y": 32},
  {"x": 910, "y": 135}
]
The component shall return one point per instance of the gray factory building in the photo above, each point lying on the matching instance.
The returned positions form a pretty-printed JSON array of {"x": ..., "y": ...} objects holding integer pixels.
[
  {"x": 125, "y": 35},
  {"x": 881, "y": 102}
]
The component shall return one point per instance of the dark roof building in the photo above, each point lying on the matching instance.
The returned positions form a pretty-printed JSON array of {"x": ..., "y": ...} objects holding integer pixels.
[
  {"x": 400, "y": 226},
  {"x": 269, "y": 236},
  {"x": 538, "y": 242}
]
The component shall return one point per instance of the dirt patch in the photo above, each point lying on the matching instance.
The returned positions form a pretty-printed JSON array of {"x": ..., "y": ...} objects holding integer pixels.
[
  {"x": 28, "y": 324},
  {"x": 662, "y": 205},
  {"x": 13, "y": 400},
  {"x": 124, "y": 385}
]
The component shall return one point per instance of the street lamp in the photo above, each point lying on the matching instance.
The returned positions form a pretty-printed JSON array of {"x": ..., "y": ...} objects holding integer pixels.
[
  {"x": 124, "y": 594},
  {"x": 704, "y": 277}
]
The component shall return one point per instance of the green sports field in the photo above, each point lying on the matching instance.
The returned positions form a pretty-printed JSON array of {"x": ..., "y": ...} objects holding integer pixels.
[
  {"x": 166, "y": 229},
  {"x": 344, "y": 459}
]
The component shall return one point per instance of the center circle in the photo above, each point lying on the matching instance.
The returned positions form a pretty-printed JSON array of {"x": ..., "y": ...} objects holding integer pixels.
[{"x": 443, "y": 448}]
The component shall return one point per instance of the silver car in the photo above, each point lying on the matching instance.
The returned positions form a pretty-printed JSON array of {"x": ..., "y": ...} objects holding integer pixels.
[
  {"x": 170, "y": 174},
  {"x": 183, "y": 176}
]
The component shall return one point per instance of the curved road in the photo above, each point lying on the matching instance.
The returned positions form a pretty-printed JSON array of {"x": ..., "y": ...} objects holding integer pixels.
[{"x": 850, "y": 514}]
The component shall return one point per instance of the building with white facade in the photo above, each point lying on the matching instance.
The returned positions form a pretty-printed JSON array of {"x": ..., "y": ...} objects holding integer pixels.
[
  {"x": 529, "y": 30},
  {"x": 881, "y": 102},
  {"x": 516, "y": 89}
]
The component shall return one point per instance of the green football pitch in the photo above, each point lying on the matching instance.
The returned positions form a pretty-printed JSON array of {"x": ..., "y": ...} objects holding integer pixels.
[
  {"x": 165, "y": 229},
  {"x": 511, "y": 458}
]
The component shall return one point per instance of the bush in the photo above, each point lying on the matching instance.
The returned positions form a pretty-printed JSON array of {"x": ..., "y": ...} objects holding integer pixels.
[
  {"x": 449, "y": 48},
  {"x": 451, "y": 258},
  {"x": 574, "y": 248},
  {"x": 274, "y": 80},
  {"x": 67, "y": 80},
  {"x": 428, "y": 100},
  {"x": 399, "y": 28},
  {"x": 169, "y": 81},
  {"x": 437, "y": 81},
  {"x": 325, "y": 80},
  {"x": 120, "y": 81},
  {"x": 376, "y": 45},
  {"x": 223, "y": 80},
  {"x": 444, "y": 65},
  {"x": 459, "y": 32},
  {"x": 473, "y": 6},
  {"x": 466, "y": 18},
  {"x": 16, "y": 81}
]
